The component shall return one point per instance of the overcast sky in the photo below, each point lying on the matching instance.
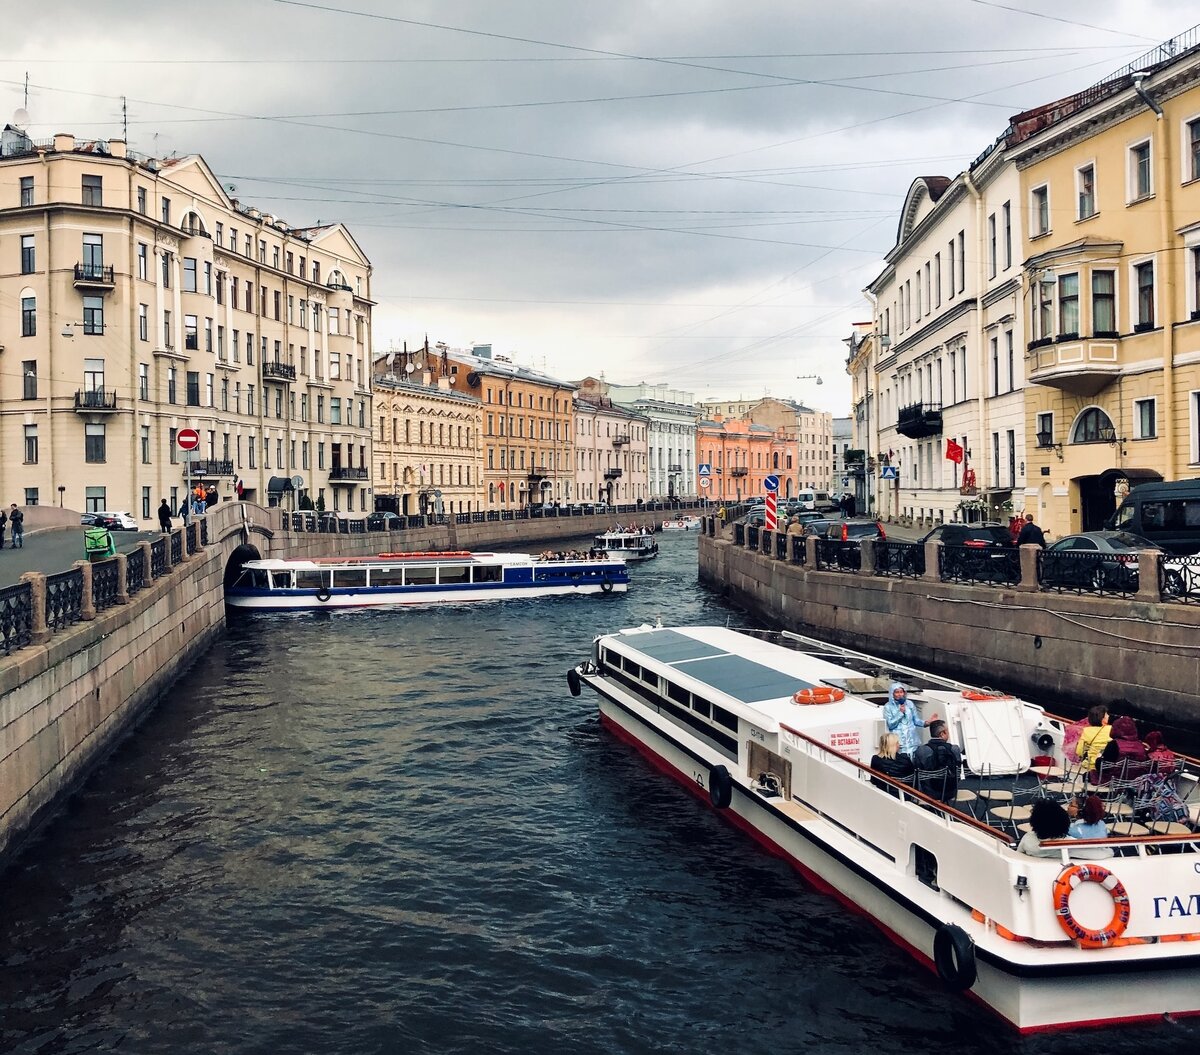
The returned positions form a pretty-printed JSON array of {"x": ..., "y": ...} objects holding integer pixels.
[{"x": 688, "y": 191}]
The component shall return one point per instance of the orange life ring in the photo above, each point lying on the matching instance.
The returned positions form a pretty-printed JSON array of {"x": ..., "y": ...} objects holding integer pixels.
[
  {"x": 976, "y": 694},
  {"x": 818, "y": 694},
  {"x": 1067, "y": 881}
]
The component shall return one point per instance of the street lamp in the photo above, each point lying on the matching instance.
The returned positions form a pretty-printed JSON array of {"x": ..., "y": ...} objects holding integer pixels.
[{"x": 61, "y": 489}]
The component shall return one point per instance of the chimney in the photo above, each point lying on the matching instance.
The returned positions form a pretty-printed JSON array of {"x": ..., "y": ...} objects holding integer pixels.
[
  {"x": 64, "y": 142},
  {"x": 117, "y": 148}
]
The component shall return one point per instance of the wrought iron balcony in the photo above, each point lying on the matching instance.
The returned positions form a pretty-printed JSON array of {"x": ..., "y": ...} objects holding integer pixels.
[
  {"x": 278, "y": 371},
  {"x": 919, "y": 420},
  {"x": 674, "y": 468},
  {"x": 613, "y": 474},
  {"x": 740, "y": 470},
  {"x": 341, "y": 472},
  {"x": 209, "y": 467},
  {"x": 94, "y": 276},
  {"x": 96, "y": 399},
  {"x": 620, "y": 441}
]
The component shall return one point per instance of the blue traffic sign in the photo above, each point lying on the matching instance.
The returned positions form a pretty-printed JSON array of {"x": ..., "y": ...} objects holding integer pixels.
[
  {"x": 771, "y": 483},
  {"x": 704, "y": 469},
  {"x": 889, "y": 472}
]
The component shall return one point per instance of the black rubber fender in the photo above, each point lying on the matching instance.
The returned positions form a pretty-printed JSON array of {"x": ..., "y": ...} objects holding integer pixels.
[
  {"x": 954, "y": 957},
  {"x": 573, "y": 682},
  {"x": 606, "y": 587},
  {"x": 720, "y": 787},
  {"x": 323, "y": 594}
]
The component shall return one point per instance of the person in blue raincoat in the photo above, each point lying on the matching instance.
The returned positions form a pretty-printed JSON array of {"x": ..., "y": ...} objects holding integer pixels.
[{"x": 903, "y": 720}]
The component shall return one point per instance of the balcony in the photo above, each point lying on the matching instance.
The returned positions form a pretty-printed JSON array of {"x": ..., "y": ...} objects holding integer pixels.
[
  {"x": 209, "y": 467},
  {"x": 920, "y": 420},
  {"x": 855, "y": 456},
  {"x": 739, "y": 470},
  {"x": 92, "y": 400},
  {"x": 674, "y": 468},
  {"x": 339, "y": 285},
  {"x": 347, "y": 473},
  {"x": 278, "y": 371},
  {"x": 1079, "y": 367},
  {"x": 94, "y": 276},
  {"x": 620, "y": 441},
  {"x": 613, "y": 474},
  {"x": 539, "y": 472}
]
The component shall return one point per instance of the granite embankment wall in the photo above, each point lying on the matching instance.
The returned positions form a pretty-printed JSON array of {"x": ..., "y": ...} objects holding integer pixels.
[
  {"x": 68, "y": 697},
  {"x": 1058, "y": 649}
]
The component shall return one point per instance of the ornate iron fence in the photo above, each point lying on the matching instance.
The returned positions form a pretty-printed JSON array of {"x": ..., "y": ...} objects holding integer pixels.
[
  {"x": 16, "y": 616},
  {"x": 739, "y": 534},
  {"x": 799, "y": 549},
  {"x": 64, "y": 598},
  {"x": 104, "y": 584},
  {"x": 904, "y": 560},
  {"x": 752, "y": 537},
  {"x": 192, "y": 533},
  {"x": 135, "y": 571},
  {"x": 1102, "y": 574},
  {"x": 176, "y": 547},
  {"x": 158, "y": 557},
  {"x": 204, "y": 531},
  {"x": 781, "y": 545},
  {"x": 1179, "y": 578},
  {"x": 980, "y": 564},
  {"x": 836, "y": 555}
]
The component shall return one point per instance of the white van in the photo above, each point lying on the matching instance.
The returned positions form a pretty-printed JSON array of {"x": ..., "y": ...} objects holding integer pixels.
[
  {"x": 806, "y": 499},
  {"x": 816, "y": 500}
]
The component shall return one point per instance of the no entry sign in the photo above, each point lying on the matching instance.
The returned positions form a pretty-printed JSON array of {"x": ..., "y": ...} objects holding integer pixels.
[{"x": 188, "y": 439}]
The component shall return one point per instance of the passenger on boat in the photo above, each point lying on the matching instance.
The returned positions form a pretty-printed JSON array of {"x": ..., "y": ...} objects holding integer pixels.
[
  {"x": 1048, "y": 820},
  {"x": 1161, "y": 755},
  {"x": 1124, "y": 755},
  {"x": 888, "y": 761},
  {"x": 938, "y": 762},
  {"x": 1094, "y": 738},
  {"x": 903, "y": 719},
  {"x": 1087, "y": 821}
]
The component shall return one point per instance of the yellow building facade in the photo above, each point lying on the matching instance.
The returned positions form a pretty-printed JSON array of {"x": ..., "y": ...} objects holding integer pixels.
[{"x": 1111, "y": 290}]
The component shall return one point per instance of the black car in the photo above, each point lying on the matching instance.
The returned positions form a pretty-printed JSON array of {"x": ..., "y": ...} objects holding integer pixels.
[
  {"x": 855, "y": 529},
  {"x": 973, "y": 552},
  {"x": 383, "y": 521},
  {"x": 1100, "y": 561}
]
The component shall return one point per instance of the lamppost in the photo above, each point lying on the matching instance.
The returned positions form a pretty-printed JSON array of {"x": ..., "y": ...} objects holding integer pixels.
[{"x": 61, "y": 489}]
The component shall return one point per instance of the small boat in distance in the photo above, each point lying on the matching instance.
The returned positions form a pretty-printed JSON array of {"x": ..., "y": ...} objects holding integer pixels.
[
  {"x": 776, "y": 735},
  {"x": 391, "y": 580},
  {"x": 627, "y": 543},
  {"x": 682, "y": 523}
]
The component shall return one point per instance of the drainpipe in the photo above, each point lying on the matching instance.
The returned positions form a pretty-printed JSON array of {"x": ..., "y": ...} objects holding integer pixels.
[{"x": 1164, "y": 192}]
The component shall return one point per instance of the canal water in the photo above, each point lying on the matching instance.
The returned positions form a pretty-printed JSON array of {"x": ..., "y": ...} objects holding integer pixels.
[{"x": 398, "y": 832}]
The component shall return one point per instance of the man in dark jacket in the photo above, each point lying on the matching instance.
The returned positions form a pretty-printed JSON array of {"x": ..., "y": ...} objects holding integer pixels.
[
  {"x": 938, "y": 762},
  {"x": 1031, "y": 534},
  {"x": 164, "y": 515}
]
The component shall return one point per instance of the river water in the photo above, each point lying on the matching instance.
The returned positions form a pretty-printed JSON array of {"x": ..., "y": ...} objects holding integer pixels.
[{"x": 398, "y": 832}]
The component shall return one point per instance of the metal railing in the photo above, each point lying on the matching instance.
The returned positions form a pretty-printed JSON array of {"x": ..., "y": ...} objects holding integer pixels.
[
  {"x": 204, "y": 531},
  {"x": 64, "y": 598},
  {"x": 979, "y": 564},
  {"x": 96, "y": 399},
  {"x": 16, "y": 616},
  {"x": 836, "y": 555},
  {"x": 135, "y": 571},
  {"x": 158, "y": 558},
  {"x": 799, "y": 549},
  {"x": 176, "y": 547},
  {"x": 1102, "y": 574},
  {"x": 752, "y": 537},
  {"x": 905, "y": 560},
  {"x": 1179, "y": 578},
  {"x": 105, "y": 581}
]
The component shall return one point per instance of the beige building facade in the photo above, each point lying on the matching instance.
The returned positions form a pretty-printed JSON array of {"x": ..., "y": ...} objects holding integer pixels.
[
  {"x": 144, "y": 300},
  {"x": 611, "y": 448}
]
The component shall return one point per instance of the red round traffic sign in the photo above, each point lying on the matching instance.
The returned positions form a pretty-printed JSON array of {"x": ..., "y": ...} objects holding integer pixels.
[{"x": 188, "y": 439}]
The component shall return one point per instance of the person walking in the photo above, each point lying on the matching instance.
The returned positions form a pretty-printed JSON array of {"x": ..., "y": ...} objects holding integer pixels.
[
  {"x": 1031, "y": 534},
  {"x": 164, "y": 516},
  {"x": 3, "y": 524},
  {"x": 16, "y": 521}
]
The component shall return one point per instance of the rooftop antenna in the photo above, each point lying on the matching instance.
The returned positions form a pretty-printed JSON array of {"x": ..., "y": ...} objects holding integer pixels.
[
  {"x": 124, "y": 119},
  {"x": 26, "y": 106}
]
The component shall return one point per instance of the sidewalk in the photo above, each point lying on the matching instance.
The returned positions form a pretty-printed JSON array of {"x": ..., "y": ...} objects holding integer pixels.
[{"x": 55, "y": 550}]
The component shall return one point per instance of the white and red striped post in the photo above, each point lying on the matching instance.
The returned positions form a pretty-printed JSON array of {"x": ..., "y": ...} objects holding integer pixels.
[{"x": 771, "y": 520}]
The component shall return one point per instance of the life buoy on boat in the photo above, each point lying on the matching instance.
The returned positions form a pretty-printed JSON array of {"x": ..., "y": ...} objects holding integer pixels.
[
  {"x": 977, "y": 694},
  {"x": 1088, "y": 938},
  {"x": 818, "y": 694},
  {"x": 720, "y": 787},
  {"x": 573, "y": 682},
  {"x": 954, "y": 957},
  {"x": 323, "y": 594}
]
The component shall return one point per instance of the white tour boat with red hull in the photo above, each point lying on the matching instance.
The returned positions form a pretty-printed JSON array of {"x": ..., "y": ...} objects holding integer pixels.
[
  {"x": 778, "y": 739},
  {"x": 403, "y": 579}
]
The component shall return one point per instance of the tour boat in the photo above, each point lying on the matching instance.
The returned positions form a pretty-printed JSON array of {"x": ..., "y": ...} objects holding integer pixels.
[
  {"x": 399, "y": 579},
  {"x": 631, "y": 543},
  {"x": 776, "y": 734},
  {"x": 682, "y": 523}
]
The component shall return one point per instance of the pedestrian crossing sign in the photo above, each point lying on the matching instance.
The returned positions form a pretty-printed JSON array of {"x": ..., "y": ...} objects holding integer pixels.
[{"x": 888, "y": 472}]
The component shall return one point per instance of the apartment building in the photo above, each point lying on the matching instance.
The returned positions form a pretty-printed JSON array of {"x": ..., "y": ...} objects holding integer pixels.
[
  {"x": 1111, "y": 179},
  {"x": 802, "y": 438},
  {"x": 671, "y": 438},
  {"x": 146, "y": 300},
  {"x": 739, "y": 456},
  {"x": 611, "y": 448}
]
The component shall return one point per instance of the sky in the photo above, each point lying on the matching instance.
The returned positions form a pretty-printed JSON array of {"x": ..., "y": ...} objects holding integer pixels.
[{"x": 689, "y": 192}]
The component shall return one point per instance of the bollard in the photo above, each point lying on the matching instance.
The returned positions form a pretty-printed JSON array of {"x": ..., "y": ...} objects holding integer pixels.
[
  {"x": 87, "y": 605},
  {"x": 37, "y": 582}
]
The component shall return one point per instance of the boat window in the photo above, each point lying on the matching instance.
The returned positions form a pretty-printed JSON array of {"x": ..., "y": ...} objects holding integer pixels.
[
  {"x": 451, "y": 573},
  {"x": 311, "y": 580},
  {"x": 631, "y": 667},
  {"x": 420, "y": 576},
  {"x": 387, "y": 576},
  {"x": 650, "y": 679},
  {"x": 723, "y": 717},
  {"x": 281, "y": 580},
  {"x": 702, "y": 706},
  {"x": 347, "y": 578},
  {"x": 679, "y": 695},
  {"x": 260, "y": 580},
  {"x": 486, "y": 573}
]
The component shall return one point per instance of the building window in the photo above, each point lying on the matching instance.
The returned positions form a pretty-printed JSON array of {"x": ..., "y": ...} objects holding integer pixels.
[
  {"x": 31, "y": 445},
  {"x": 1006, "y": 210},
  {"x": 93, "y": 192},
  {"x": 991, "y": 223},
  {"x": 143, "y": 271},
  {"x": 93, "y": 443},
  {"x": 1104, "y": 304},
  {"x": 93, "y": 315},
  {"x": 26, "y": 190},
  {"x": 166, "y": 210},
  {"x": 193, "y": 388},
  {"x": 172, "y": 386},
  {"x": 28, "y": 255},
  {"x": 1093, "y": 426},
  {"x": 1045, "y": 429},
  {"x": 191, "y": 332},
  {"x": 1144, "y": 283},
  {"x": 145, "y": 444},
  {"x": 962, "y": 261},
  {"x": 1140, "y": 175},
  {"x": 143, "y": 381},
  {"x": 1011, "y": 360},
  {"x": 94, "y": 499},
  {"x": 143, "y": 322},
  {"x": 1145, "y": 427},
  {"x": 166, "y": 270},
  {"x": 1068, "y": 306},
  {"x": 1085, "y": 183},
  {"x": 93, "y": 375},
  {"x": 1044, "y": 292},
  {"x": 141, "y": 200},
  {"x": 29, "y": 316},
  {"x": 189, "y": 274},
  {"x": 29, "y": 379},
  {"x": 93, "y": 255},
  {"x": 31, "y": 496},
  {"x": 145, "y": 503},
  {"x": 1039, "y": 201},
  {"x": 209, "y": 386}
]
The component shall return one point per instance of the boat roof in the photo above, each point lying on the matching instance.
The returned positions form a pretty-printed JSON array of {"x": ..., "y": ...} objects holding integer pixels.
[
  {"x": 386, "y": 560},
  {"x": 755, "y": 676}
]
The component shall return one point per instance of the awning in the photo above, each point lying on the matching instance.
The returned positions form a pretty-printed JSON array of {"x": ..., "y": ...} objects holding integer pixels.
[{"x": 279, "y": 484}]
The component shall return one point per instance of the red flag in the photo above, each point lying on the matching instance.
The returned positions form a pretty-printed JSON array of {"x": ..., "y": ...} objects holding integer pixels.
[{"x": 954, "y": 452}]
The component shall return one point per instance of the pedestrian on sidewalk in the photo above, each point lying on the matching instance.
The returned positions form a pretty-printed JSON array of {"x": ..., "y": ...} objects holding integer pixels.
[
  {"x": 1031, "y": 534},
  {"x": 16, "y": 520},
  {"x": 3, "y": 523},
  {"x": 164, "y": 516}
]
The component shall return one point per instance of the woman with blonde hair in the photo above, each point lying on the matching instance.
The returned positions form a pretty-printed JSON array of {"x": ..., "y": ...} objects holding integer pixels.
[{"x": 890, "y": 762}]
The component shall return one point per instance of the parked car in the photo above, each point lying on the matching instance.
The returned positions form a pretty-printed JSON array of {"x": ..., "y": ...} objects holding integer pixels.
[
  {"x": 1107, "y": 561},
  {"x": 855, "y": 529},
  {"x": 1167, "y": 514},
  {"x": 87, "y": 519},
  {"x": 973, "y": 551},
  {"x": 383, "y": 521},
  {"x": 113, "y": 520}
]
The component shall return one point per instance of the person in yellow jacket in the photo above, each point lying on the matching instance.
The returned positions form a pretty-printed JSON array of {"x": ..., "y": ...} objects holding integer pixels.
[{"x": 1094, "y": 738}]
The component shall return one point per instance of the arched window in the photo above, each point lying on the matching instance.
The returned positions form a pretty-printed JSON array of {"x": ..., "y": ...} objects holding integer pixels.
[{"x": 1093, "y": 426}]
